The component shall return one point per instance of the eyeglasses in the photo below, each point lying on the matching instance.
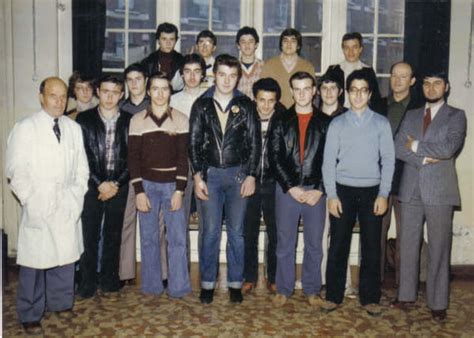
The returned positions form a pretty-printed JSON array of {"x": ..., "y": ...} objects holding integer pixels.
[{"x": 355, "y": 91}]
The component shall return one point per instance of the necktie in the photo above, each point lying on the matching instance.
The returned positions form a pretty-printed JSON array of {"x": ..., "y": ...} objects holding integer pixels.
[
  {"x": 426, "y": 120},
  {"x": 56, "y": 130}
]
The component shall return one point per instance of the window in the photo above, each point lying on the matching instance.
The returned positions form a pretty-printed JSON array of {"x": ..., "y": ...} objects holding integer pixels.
[
  {"x": 131, "y": 26},
  {"x": 304, "y": 15},
  {"x": 130, "y": 33},
  {"x": 222, "y": 17},
  {"x": 381, "y": 23}
]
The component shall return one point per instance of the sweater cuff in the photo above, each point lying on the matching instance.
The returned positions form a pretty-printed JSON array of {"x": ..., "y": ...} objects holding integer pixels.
[{"x": 138, "y": 186}]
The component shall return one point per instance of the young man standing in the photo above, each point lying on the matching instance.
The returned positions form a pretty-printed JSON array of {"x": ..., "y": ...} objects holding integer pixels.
[
  {"x": 105, "y": 131},
  {"x": 206, "y": 43},
  {"x": 159, "y": 179},
  {"x": 192, "y": 72},
  {"x": 166, "y": 59},
  {"x": 267, "y": 93},
  {"x": 428, "y": 142},
  {"x": 329, "y": 90},
  {"x": 352, "y": 48},
  {"x": 297, "y": 145},
  {"x": 358, "y": 168},
  {"x": 81, "y": 94},
  {"x": 247, "y": 42},
  {"x": 135, "y": 78},
  {"x": 283, "y": 66},
  {"x": 224, "y": 151}
]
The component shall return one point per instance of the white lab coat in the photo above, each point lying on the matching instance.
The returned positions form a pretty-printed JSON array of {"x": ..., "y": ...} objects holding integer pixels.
[{"x": 50, "y": 180}]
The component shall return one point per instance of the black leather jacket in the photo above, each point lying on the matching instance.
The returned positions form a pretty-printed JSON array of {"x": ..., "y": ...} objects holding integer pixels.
[
  {"x": 285, "y": 150},
  {"x": 264, "y": 170},
  {"x": 93, "y": 131},
  {"x": 239, "y": 146}
]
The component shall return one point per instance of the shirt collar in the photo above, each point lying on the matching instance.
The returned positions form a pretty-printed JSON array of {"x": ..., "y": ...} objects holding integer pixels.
[{"x": 404, "y": 102}]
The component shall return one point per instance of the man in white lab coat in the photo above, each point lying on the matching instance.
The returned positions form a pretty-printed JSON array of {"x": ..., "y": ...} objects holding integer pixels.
[{"x": 47, "y": 170}]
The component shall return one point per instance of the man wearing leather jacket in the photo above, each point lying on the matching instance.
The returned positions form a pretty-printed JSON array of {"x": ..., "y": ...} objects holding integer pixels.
[
  {"x": 296, "y": 155},
  {"x": 105, "y": 131},
  {"x": 267, "y": 94},
  {"x": 224, "y": 151}
]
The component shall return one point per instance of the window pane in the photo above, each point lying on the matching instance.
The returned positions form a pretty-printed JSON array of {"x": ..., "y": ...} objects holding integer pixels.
[
  {"x": 142, "y": 14},
  {"x": 368, "y": 51},
  {"x": 309, "y": 16},
  {"x": 226, "y": 44},
  {"x": 390, "y": 50},
  {"x": 360, "y": 16},
  {"x": 383, "y": 85},
  {"x": 114, "y": 54},
  {"x": 194, "y": 15},
  {"x": 188, "y": 41},
  {"x": 115, "y": 14},
  {"x": 225, "y": 15},
  {"x": 276, "y": 15},
  {"x": 391, "y": 16},
  {"x": 270, "y": 46},
  {"x": 140, "y": 45},
  {"x": 312, "y": 51}
]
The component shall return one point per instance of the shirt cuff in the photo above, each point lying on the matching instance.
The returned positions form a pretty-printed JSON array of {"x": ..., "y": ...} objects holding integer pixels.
[{"x": 414, "y": 146}]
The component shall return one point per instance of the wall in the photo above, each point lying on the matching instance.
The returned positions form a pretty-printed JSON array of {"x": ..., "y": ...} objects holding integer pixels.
[
  {"x": 22, "y": 46},
  {"x": 462, "y": 97},
  {"x": 19, "y": 87}
]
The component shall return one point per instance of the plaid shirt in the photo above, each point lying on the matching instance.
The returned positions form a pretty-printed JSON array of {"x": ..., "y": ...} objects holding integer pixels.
[{"x": 110, "y": 126}]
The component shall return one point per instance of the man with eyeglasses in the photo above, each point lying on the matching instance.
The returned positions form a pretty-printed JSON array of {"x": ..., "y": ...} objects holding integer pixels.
[
  {"x": 206, "y": 44},
  {"x": 358, "y": 167}
]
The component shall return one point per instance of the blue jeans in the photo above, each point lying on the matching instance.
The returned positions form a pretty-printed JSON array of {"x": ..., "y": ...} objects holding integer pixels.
[
  {"x": 224, "y": 194},
  {"x": 179, "y": 285},
  {"x": 288, "y": 212}
]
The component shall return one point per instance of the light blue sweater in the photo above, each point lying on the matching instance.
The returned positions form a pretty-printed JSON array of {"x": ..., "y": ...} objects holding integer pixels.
[{"x": 359, "y": 152}]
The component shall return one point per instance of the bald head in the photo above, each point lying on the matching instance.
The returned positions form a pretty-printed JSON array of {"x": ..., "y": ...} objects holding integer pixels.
[
  {"x": 401, "y": 79},
  {"x": 53, "y": 96}
]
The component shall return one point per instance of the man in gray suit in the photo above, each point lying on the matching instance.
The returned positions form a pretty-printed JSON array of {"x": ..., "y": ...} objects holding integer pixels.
[{"x": 429, "y": 140}]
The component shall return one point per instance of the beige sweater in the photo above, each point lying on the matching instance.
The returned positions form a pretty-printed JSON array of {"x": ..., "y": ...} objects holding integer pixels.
[{"x": 275, "y": 69}]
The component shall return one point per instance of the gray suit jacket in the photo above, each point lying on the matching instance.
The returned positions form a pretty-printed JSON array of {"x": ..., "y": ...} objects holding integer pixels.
[{"x": 443, "y": 140}]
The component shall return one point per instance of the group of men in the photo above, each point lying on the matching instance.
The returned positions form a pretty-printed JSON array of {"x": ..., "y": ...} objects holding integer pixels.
[{"x": 267, "y": 149}]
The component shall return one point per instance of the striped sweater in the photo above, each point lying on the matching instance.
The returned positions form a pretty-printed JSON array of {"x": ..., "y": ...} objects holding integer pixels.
[{"x": 157, "y": 149}]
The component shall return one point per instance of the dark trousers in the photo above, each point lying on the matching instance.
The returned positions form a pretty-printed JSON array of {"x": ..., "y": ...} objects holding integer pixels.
[
  {"x": 112, "y": 212},
  {"x": 394, "y": 203},
  {"x": 263, "y": 201},
  {"x": 357, "y": 203},
  {"x": 40, "y": 288}
]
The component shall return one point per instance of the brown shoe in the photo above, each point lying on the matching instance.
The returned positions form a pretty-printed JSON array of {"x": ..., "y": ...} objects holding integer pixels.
[
  {"x": 65, "y": 314},
  {"x": 247, "y": 287},
  {"x": 329, "y": 306},
  {"x": 374, "y": 310},
  {"x": 32, "y": 328},
  {"x": 279, "y": 299},
  {"x": 315, "y": 300},
  {"x": 438, "y": 315},
  {"x": 272, "y": 288},
  {"x": 400, "y": 305}
]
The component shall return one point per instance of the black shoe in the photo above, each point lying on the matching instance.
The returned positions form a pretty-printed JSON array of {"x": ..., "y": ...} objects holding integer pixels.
[
  {"x": 206, "y": 296},
  {"x": 32, "y": 328},
  {"x": 165, "y": 283},
  {"x": 438, "y": 315},
  {"x": 236, "y": 296}
]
